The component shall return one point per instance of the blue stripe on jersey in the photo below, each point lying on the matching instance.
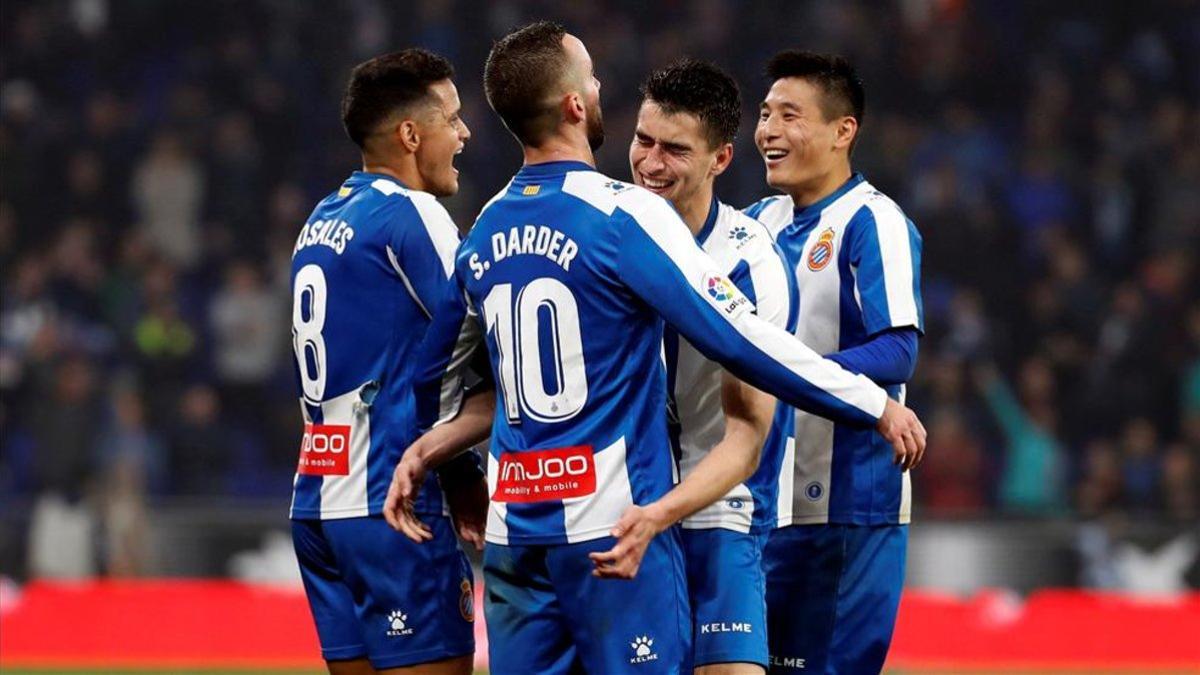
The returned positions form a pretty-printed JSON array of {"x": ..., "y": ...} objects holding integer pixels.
[
  {"x": 671, "y": 356},
  {"x": 740, "y": 276},
  {"x": 757, "y": 207},
  {"x": 710, "y": 222}
]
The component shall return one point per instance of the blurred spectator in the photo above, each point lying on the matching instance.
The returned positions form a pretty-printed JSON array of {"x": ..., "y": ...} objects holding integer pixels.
[
  {"x": 168, "y": 191},
  {"x": 1181, "y": 483},
  {"x": 953, "y": 479},
  {"x": 1033, "y": 460},
  {"x": 131, "y": 458},
  {"x": 1140, "y": 465},
  {"x": 64, "y": 422},
  {"x": 245, "y": 317},
  {"x": 1099, "y": 490},
  {"x": 201, "y": 445}
]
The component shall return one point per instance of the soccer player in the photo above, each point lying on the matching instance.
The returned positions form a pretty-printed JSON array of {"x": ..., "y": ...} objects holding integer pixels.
[
  {"x": 836, "y": 565},
  {"x": 683, "y": 141},
  {"x": 367, "y": 267},
  {"x": 567, "y": 276}
]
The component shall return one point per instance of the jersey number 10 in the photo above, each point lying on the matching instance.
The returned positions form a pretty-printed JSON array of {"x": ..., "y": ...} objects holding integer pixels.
[{"x": 547, "y": 323}]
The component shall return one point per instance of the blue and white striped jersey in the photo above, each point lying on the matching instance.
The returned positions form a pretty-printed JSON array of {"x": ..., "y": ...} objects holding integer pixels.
[
  {"x": 746, "y": 253},
  {"x": 367, "y": 267},
  {"x": 857, "y": 260},
  {"x": 566, "y": 277}
]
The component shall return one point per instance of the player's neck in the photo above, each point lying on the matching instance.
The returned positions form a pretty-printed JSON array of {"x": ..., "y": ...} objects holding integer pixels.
[
  {"x": 694, "y": 211},
  {"x": 403, "y": 170},
  {"x": 559, "y": 148},
  {"x": 815, "y": 190}
]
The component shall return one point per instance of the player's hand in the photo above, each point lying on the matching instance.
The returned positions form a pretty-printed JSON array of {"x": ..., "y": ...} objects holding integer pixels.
[
  {"x": 468, "y": 500},
  {"x": 637, "y": 526},
  {"x": 402, "y": 493},
  {"x": 900, "y": 427}
]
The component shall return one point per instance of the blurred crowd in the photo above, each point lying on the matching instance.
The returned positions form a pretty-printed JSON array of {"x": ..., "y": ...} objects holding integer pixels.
[{"x": 158, "y": 159}]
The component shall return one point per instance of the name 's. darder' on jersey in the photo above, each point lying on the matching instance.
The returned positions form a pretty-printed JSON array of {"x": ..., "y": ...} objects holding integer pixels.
[
  {"x": 745, "y": 251},
  {"x": 857, "y": 261},
  {"x": 567, "y": 275},
  {"x": 366, "y": 269}
]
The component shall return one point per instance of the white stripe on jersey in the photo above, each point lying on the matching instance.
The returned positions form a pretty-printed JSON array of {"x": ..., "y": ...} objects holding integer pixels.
[
  {"x": 777, "y": 214},
  {"x": 440, "y": 227},
  {"x": 470, "y": 337},
  {"x": 593, "y": 515},
  {"x": 787, "y": 482},
  {"x": 894, "y": 248},
  {"x": 412, "y": 292},
  {"x": 654, "y": 216},
  {"x": 388, "y": 187},
  {"x": 496, "y": 530},
  {"x": 345, "y": 496}
]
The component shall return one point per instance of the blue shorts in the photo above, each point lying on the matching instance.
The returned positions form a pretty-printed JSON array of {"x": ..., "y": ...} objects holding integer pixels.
[
  {"x": 375, "y": 593},
  {"x": 547, "y": 614},
  {"x": 727, "y": 590},
  {"x": 832, "y": 596}
]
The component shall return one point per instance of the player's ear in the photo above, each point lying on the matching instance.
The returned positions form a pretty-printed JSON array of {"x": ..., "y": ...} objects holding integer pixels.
[
  {"x": 572, "y": 108},
  {"x": 408, "y": 135},
  {"x": 847, "y": 131},
  {"x": 724, "y": 157}
]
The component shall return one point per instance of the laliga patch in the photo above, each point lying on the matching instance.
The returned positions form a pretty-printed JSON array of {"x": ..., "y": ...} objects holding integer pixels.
[
  {"x": 544, "y": 475},
  {"x": 725, "y": 294},
  {"x": 821, "y": 252},
  {"x": 325, "y": 450}
]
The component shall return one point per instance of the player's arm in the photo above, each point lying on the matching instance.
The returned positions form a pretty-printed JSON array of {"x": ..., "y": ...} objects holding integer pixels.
[
  {"x": 889, "y": 357},
  {"x": 440, "y": 445},
  {"x": 748, "y": 416},
  {"x": 749, "y": 412},
  {"x": 661, "y": 263},
  {"x": 885, "y": 250}
]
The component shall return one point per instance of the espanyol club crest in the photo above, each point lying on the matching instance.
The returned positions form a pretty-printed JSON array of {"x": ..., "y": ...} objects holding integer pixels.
[
  {"x": 466, "y": 601},
  {"x": 821, "y": 252}
]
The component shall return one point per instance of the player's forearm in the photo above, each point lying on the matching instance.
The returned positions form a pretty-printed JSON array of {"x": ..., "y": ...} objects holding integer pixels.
[
  {"x": 729, "y": 463},
  {"x": 889, "y": 357},
  {"x": 470, "y": 427}
]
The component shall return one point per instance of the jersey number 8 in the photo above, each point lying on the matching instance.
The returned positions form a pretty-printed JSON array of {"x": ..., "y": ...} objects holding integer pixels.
[{"x": 308, "y": 320}]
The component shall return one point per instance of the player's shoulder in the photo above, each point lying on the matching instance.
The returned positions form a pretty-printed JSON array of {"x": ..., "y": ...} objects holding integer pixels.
[
  {"x": 774, "y": 212},
  {"x": 607, "y": 195},
  {"x": 745, "y": 236},
  {"x": 873, "y": 207}
]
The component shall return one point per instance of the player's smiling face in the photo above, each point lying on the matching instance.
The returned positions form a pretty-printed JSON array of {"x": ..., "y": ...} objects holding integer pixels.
[
  {"x": 798, "y": 145},
  {"x": 443, "y": 134},
  {"x": 670, "y": 154}
]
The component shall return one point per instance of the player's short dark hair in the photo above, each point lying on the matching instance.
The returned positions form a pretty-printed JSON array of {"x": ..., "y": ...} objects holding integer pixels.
[
  {"x": 701, "y": 89},
  {"x": 388, "y": 84},
  {"x": 523, "y": 72},
  {"x": 843, "y": 94}
]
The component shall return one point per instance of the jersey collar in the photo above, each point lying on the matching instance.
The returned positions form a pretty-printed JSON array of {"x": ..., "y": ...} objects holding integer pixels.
[
  {"x": 547, "y": 169},
  {"x": 371, "y": 177},
  {"x": 817, "y": 207},
  {"x": 709, "y": 223}
]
